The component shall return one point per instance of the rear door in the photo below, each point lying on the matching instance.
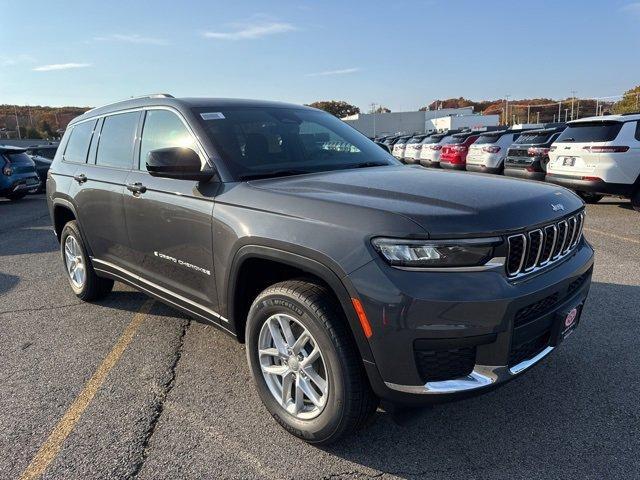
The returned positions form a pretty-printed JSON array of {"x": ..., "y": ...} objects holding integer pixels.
[
  {"x": 99, "y": 187},
  {"x": 170, "y": 221}
]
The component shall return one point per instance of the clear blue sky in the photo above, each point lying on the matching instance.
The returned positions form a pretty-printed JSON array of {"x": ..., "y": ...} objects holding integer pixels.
[{"x": 401, "y": 53}]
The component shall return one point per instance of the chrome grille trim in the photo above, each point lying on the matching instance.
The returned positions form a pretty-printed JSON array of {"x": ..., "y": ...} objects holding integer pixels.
[{"x": 564, "y": 236}]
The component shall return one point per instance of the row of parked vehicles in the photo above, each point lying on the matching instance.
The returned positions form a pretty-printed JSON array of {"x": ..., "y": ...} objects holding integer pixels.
[
  {"x": 594, "y": 156},
  {"x": 24, "y": 170}
]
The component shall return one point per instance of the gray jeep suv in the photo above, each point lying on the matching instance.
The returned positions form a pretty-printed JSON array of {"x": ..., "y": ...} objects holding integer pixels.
[{"x": 351, "y": 278}]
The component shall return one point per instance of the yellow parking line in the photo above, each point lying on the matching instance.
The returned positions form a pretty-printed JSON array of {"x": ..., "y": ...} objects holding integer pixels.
[
  {"x": 612, "y": 235},
  {"x": 65, "y": 426}
]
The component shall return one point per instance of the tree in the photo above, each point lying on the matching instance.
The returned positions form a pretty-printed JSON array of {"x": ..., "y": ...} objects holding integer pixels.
[
  {"x": 630, "y": 101},
  {"x": 31, "y": 132},
  {"x": 382, "y": 109},
  {"x": 338, "y": 108}
]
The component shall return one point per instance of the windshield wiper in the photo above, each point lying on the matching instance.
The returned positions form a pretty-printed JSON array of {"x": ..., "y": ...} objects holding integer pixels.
[
  {"x": 368, "y": 164},
  {"x": 274, "y": 173}
]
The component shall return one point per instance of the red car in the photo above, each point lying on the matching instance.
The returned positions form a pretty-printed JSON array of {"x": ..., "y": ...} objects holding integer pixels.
[{"x": 454, "y": 154}]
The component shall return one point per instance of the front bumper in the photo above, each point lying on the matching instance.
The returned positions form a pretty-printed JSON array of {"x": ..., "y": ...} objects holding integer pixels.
[
  {"x": 416, "y": 313},
  {"x": 591, "y": 186}
]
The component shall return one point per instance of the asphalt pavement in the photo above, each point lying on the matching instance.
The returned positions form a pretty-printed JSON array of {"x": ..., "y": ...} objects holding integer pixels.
[{"x": 179, "y": 401}]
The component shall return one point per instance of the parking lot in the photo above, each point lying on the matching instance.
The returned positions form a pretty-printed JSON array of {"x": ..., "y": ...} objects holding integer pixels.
[{"x": 179, "y": 400}]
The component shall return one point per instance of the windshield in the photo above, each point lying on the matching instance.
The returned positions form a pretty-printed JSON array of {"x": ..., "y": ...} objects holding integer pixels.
[
  {"x": 533, "y": 138},
  {"x": 263, "y": 142},
  {"x": 433, "y": 139},
  {"x": 455, "y": 140},
  {"x": 590, "y": 132}
]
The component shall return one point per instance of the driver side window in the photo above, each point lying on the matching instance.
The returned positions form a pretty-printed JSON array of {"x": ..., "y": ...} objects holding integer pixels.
[{"x": 163, "y": 129}]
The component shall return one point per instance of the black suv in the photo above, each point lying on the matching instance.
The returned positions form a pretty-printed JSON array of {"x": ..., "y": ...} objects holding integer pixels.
[
  {"x": 528, "y": 156},
  {"x": 351, "y": 277}
]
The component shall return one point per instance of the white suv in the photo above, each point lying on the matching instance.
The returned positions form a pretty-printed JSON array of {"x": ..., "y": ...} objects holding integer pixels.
[
  {"x": 431, "y": 146},
  {"x": 488, "y": 152},
  {"x": 599, "y": 156},
  {"x": 399, "y": 146},
  {"x": 412, "y": 149}
]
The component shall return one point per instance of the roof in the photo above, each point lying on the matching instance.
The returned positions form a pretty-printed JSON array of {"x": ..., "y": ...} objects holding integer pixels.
[
  {"x": 11, "y": 149},
  {"x": 544, "y": 131},
  {"x": 164, "y": 99},
  {"x": 625, "y": 117}
]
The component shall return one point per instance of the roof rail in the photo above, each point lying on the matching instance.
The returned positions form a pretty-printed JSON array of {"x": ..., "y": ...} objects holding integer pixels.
[{"x": 150, "y": 95}]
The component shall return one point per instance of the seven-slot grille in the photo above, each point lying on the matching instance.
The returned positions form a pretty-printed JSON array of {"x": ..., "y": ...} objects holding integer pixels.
[{"x": 542, "y": 246}]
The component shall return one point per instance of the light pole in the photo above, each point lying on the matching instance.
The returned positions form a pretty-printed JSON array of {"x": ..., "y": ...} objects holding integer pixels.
[
  {"x": 506, "y": 109},
  {"x": 573, "y": 96},
  {"x": 566, "y": 114},
  {"x": 559, "y": 112},
  {"x": 15, "y": 111},
  {"x": 528, "y": 110},
  {"x": 538, "y": 120}
]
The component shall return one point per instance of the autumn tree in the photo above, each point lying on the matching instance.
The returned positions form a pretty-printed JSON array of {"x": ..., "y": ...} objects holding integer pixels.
[
  {"x": 630, "y": 101},
  {"x": 338, "y": 108}
]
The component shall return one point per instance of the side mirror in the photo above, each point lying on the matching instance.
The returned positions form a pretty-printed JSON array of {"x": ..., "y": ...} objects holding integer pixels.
[
  {"x": 384, "y": 146},
  {"x": 176, "y": 162}
]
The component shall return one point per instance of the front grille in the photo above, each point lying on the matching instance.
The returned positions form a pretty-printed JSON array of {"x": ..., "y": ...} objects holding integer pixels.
[
  {"x": 437, "y": 365},
  {"x": 529, "y": 349},
  {"x": 540, "y": 247}
]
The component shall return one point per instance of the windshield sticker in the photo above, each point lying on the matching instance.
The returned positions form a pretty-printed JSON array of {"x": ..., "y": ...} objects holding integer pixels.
[{"x": 212, "y": 116}]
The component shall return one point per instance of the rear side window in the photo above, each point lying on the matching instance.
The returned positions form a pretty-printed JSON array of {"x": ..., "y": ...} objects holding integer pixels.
[
  {"x": 590, "y": 132},
  {"x": 115, "y": 148},
  {"x": 163, "y": 129},
  {"x": 78, "y": 144}
]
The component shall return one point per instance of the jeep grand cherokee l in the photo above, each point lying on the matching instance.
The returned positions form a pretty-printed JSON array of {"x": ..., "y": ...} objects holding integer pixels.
[
  {"x": 351, "y": 277},
  {"x": 599, "y": 156},
  {"x": 528, "y": 156}
]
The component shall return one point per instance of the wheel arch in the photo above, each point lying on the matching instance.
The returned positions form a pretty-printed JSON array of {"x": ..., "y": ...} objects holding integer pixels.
[{"x": 337, "y": 284}]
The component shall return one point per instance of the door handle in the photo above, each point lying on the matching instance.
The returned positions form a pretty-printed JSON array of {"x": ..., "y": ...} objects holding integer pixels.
[
  {"x": 136, "y": 187},
  {"x": 80, "y": 178}
]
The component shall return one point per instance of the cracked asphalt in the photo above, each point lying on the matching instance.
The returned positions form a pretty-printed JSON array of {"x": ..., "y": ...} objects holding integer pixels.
[{"x": 180, "y": 403}]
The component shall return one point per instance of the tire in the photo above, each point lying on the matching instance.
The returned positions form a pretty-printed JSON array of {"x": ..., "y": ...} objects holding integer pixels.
[
  {"x": 590, "y": 197},
  {"x": 92, "y": 287},
  {"x": 16, "y": 196},
  {"x": 635, "y": 200},
  {"x": 349, "y": 403}
]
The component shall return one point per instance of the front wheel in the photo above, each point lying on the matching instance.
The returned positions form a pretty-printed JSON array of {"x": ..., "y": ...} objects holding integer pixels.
[
  {"x": 590, "y": 197},
  {"x": 305, "y": 364},
  {"x": 82, "y": 277}
]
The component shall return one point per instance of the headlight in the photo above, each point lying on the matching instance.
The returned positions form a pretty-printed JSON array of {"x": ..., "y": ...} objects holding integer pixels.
[{"x": 436, "y": 253}]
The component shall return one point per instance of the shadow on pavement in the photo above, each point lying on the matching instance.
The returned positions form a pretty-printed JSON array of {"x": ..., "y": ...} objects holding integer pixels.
[
  {"x": 573, "y": 414},
  {"x": 7, "y": 282}
]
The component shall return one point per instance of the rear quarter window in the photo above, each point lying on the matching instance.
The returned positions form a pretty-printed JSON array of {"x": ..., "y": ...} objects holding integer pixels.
[
  {"x": 638, "y": 130},
  {"x": 78, "y": 144},
  {"x": 590, "y": 132}
]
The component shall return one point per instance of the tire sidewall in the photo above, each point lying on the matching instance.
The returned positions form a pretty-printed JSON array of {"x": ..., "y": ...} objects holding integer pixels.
[
  {"x": 326, "y": 424},
  {"x": 71, "y": 230}
]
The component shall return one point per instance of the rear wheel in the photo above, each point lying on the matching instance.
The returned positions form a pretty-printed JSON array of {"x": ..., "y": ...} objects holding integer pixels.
[
  {"x": 16, "y": 196},
  {"x": 590, "y": 197},
  {"x": 305, "y": 364},
  {"x": 82, "y": 277}
]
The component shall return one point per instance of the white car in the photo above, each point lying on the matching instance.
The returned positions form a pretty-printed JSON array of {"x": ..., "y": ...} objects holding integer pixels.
[
  {"x": 412, "y": 149},
  {"x": 599, "y": 156},
  {"x": 488, "y": 152},
  {"x": 399, "y": 146},
  {"x": 431, "y": 146}
]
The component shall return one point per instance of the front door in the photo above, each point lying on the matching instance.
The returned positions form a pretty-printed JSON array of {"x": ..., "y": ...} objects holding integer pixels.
[{"x": 169, "y": 221}]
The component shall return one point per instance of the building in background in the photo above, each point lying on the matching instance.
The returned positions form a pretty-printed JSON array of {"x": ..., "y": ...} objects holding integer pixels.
[
  {"x": 457, "y": 122},
  {"x": 376, "y": 124}
]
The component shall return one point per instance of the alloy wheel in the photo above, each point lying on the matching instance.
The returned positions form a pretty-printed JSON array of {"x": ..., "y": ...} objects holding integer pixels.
[{"x": 74, "y": 262}]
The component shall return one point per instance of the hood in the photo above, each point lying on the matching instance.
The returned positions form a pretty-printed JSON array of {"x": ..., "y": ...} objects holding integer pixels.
[{"x": 443, "y": 203}]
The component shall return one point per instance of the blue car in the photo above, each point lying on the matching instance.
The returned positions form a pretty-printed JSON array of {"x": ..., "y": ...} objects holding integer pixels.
[{"x": 18, "y": 175}]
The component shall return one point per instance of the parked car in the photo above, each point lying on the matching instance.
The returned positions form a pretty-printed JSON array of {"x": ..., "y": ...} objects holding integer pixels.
[
  {"x": 412, "y": 149},
  {"x": 18, "y": 174},
  {"x": 399, "y": 146},
  {"x": 488, "y": 152},
  {"x": 323, "y": 261},
  {"x": 453, "y": 154},
  {"x": 528, "y": 156},
  {"x": 390, "y": 140},
  {"x": 42, "y": 156},
  {"x": 599, "y": 156},
  {"x": 431, "y": 146}
]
